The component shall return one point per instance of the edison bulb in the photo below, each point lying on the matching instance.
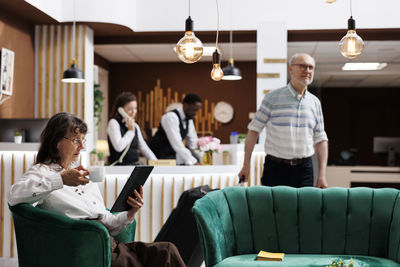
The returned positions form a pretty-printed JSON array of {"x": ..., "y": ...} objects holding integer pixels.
[
  {"x": 351, "y": 45},
  {"x": 217, "y": 73},
  {"x": 189, "y": 49}
]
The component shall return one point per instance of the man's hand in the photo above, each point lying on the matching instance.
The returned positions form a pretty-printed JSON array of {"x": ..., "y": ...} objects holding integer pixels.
[
  {"x": 244, "y": 172},
  {"x": 321, "y": 182},
  {"x": 136, "y": 203},
  {"x": 75, "y": 177}
]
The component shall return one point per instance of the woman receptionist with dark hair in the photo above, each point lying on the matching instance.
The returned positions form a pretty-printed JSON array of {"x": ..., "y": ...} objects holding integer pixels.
[{"x": 124, "y": 136}]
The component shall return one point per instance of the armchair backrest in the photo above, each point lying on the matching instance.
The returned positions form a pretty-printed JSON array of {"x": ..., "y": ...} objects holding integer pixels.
[
  {"x": 361, "y": 221},
  {"x": 46, "y": 238}
]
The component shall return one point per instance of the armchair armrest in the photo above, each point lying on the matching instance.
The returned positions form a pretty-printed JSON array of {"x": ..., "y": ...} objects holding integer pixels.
[
  {"x": 215, "y": 246},
  {"x": 46, "y": 238},
  {"x": 394, "y": 240}
]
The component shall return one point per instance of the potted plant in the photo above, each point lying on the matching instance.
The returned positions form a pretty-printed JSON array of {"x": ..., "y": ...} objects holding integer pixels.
[
  {"x": 100, "y": 158},
  {"x": 18, "y": 137},
  {"x": 98, "y": 99},
  {"x": 93, "y": 157}
]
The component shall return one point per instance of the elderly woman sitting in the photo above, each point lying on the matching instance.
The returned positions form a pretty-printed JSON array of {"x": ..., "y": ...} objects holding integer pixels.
[{"x": 57, "y": 183}]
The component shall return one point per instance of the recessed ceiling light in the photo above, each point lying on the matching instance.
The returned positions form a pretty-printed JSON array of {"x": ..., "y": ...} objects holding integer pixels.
[{"x": 364, "y": 66}]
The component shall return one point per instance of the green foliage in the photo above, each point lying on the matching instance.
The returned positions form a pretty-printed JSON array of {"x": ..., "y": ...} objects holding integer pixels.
[
  {"x": 18, "y": 134},
  {"x": 98, "y": 99},
  {"x": 93, "y": 152},
  {"x": 100, "y": 155},
  {"x": 341, "y": 263}
]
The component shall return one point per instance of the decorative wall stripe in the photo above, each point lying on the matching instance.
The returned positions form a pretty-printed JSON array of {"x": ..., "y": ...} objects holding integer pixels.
[
  {"x": 268, "y": 75},
  {"x": 83, "y": 67},
  {"x": 47, "y": 73},
  {"x": 274, "y": 60},
  {"x": 12, "y": 223},
  {"x": 24, "y": 164},
  {"x": 42, "y": 32},
  {"x": 2, "y": 206},
  {"x": 151, "y": 209},
  {"x": 55, "y": 53},
  {"x": 63, "y": 66},
  {"x": 105, "y": 192},
  {"x": 115, "y": 189},
  {"x": 69, "y": 59},
  {"x": 219, "y": 182}
]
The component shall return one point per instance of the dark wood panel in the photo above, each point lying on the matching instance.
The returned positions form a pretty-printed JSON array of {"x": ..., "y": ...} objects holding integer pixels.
[
  {"x": 18, "y": 36},
  {"x": 185, "y": 78}
]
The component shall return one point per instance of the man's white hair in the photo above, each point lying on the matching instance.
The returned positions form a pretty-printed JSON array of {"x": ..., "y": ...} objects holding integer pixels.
[{"x": 294, "y": 57}]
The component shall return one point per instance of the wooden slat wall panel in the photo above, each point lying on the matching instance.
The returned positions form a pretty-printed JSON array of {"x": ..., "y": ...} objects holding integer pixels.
[
  {"x": 153, "y": 106},
  {"x": 55, "y": 53}
]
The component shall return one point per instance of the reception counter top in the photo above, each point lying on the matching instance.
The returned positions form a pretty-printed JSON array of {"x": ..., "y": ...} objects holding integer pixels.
[{"x": 165, "y": 185}]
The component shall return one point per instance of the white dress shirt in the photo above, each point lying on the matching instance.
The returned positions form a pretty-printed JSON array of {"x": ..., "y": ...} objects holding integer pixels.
[
  {"x": 42, "y": 185},
  {"x": 120, "y": 142},
  {"x": 170, "y": 124}
]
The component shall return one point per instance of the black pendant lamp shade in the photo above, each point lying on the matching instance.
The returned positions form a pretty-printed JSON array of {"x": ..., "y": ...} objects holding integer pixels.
[
  {"x": 73, "y": 75},
  {"x": 231, "y": 73}
]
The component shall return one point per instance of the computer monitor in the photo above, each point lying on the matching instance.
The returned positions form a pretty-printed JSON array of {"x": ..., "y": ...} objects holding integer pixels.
[{"x": 389, "y": 145}]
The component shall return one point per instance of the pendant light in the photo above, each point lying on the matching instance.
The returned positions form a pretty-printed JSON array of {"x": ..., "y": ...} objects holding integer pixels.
[
  {"x": 231, "y": 73},
  {"x": 330, "y": 1},
  {"x": 189, "y": 48},
  {"x": 351, "y": 45},
  {"x": 73, "y": 74},
  {"x": 216, "y": 72}
]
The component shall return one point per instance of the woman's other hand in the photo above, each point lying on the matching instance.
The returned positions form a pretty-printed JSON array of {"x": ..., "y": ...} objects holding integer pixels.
[
  {"x": 135, "y": 203},
  {"x": 75, "y": 177}
]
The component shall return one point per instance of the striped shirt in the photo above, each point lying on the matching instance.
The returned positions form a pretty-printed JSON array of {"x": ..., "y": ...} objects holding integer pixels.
[{"x": 293, "y": 125}]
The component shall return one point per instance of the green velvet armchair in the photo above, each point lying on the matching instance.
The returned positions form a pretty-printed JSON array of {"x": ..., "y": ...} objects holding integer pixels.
[
  {"x": 49, "y": 239},
  {"x": 311, "y": 226}
]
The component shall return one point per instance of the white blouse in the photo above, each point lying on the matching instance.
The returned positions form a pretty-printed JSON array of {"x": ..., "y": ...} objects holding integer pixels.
[
  {"x": 120, "y": 142},
  {"x": 42, "y": 185}
]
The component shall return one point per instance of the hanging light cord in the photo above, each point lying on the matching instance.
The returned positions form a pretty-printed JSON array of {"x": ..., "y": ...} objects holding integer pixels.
[
  {"x": 73, "y": 33},
  {"x": 216, "y": 39},
  {"x": 351, "y": 10},
  {"x": 189, "y": 8},
  {"x": 230, "y": 34}
]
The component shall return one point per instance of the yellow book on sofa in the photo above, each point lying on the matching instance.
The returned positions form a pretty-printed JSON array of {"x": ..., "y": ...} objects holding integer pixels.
[{"x": 268, "y": 256}]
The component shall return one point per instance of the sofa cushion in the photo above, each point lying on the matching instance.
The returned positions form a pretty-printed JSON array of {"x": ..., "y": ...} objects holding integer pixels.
[{"x": 306, "y": 260}]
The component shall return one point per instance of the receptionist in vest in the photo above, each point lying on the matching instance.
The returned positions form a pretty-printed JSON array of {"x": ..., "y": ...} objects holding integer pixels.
[
  {"x": 124, "y": 136},
  {"x": 176, "y": 126}
]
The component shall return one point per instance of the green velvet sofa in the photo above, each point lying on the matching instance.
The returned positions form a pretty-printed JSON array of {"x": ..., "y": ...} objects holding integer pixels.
[
  {"x": 311, "y": 226},
  {"x": 46, "y": 238}
]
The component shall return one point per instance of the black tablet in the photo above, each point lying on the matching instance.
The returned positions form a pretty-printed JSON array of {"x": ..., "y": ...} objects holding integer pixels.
[{"x": 138, "y": 177}]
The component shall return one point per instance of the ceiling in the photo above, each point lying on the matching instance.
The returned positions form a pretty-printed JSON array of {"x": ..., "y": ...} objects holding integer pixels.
[
  {"x": 329, "y": 60},
  {"x": 119, "y": 44}
]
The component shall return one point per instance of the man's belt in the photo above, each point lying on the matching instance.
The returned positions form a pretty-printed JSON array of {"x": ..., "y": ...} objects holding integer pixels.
[{"x": 291, "y": 162}]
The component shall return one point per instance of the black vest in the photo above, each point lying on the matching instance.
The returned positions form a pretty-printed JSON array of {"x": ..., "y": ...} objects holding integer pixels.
[
  {"x": 131, "y": 157},
  {"x": 160, "y": 145}
]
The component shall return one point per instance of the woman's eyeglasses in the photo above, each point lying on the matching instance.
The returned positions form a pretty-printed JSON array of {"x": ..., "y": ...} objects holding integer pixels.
[
  {"x": 77, "y": 141},
  {"x": 305, "y": 67}
]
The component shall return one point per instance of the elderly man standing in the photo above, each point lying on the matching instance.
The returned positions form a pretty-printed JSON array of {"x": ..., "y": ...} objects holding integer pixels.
[{"x": 294, "y": 131}]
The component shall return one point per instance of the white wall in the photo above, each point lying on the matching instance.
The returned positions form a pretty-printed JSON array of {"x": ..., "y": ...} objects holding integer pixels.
[{"x": 162, "y": 15}]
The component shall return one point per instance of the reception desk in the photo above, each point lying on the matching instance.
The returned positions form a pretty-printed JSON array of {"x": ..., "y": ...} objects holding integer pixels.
[
  {"x": 161, "y": 191},
  {"x": 164, "y": 186}
]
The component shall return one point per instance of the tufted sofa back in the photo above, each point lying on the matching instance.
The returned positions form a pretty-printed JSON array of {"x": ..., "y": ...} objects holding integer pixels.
[{"x": 309, "y": 220}]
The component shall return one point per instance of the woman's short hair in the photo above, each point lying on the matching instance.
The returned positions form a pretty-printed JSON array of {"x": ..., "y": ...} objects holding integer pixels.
[
  {"x": 56, "y": 129},
  {"x": 121, "y": 100}
]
